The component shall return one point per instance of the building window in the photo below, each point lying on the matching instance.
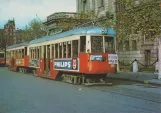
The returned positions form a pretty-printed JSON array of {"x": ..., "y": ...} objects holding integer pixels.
[
  {"x": 134, "y": 45},
  {"x": 120, "y": 46},
  {"x": 127, "y": 46},
  {"x": 84, "y": 5},
  {"x": 101, "y": 3}
]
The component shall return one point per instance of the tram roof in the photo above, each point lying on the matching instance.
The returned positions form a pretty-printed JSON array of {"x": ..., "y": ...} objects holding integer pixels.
[
  {"x": 18, "y": 45},
  {"x": 77, "y": 31}
]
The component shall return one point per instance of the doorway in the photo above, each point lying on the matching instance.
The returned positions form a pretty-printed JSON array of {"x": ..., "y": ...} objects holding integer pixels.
[{"x": 147, "y": 57}]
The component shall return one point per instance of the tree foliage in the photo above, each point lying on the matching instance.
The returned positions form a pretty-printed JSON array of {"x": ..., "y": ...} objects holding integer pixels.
[
  {"x": 6, "y": 39},
  {"x": 32, "y": 31},
  {"x": 143, "y": 15},
  {"x": 80, "y": 19}
]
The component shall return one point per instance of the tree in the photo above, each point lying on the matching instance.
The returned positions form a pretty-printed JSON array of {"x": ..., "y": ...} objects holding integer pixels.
[
  {"x": 6, "y": 39},
  {"x": 32, "y": 31},
  {"x": 140, "y": 15}
]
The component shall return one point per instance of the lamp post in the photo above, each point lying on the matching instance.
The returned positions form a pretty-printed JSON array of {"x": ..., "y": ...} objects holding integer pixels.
[{"x": 159, "y": 54}]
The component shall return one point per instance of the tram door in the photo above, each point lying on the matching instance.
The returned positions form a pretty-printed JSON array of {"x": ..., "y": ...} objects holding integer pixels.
[{"x": 47, "y": 59}]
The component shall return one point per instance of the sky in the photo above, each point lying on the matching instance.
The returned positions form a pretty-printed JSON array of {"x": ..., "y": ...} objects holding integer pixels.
[{"x": 23, "y": 11}]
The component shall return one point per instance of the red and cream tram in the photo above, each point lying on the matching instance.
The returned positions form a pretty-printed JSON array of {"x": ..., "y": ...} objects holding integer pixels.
[
  {"x": 2, "y": 58},
  {"x": 77, "y": 56}
]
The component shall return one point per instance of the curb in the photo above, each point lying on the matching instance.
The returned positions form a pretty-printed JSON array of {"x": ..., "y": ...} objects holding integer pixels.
[{"x": 139, "y": 81}]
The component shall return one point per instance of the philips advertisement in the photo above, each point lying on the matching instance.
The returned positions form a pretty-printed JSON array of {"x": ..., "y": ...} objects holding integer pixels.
[{"x": 66, "y": 64}]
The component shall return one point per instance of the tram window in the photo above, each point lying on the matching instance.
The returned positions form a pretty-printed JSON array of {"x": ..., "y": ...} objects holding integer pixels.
[
  {"x": 35, "y": 52},
  {"x": 56, "y": 50},
  {"x": 64, "y": 50},
  {"x": 109, "y": 44},
  {"x": 83, "y": 44},
  {"x": 38, "y": 53},
  {"x": 69, "y": 49},
  {"x": 17, "y": 54},
  {"x": 22, "y": 53},
  {"x": 30, "y": 53},
  {"x": 60, "y": 50},
  {"x": 25, "y": 50},
  {"x": 1, "y": 55},
  {"x": 52, "y": 51},
  {"x": 75, "y": 48},
  {"x": 96, "y": 44}
]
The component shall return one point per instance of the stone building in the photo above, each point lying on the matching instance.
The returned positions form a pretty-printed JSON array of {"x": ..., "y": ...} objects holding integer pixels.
[
  {"x": 137, "y": 45},
  {"x": 60, "y": 21},
  {"x": 9, "y": 31},
  {"x": 100, "y": 7}
]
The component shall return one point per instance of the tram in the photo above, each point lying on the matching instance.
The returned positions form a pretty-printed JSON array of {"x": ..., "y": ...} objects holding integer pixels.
[
  {"x": 17, "y": 57},
  {"x": 2, "y": 58},
  {"x": 78, "y": 56}
]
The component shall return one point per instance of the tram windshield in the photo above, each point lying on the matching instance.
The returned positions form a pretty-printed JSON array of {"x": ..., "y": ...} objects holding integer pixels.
[
  {"x": 98, "y": 46},
  {"x": 109, "y": 44},
  {"x": 96, "y": 43}
]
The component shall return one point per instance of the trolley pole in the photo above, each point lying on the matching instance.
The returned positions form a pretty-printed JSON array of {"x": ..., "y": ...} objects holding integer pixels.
[{"x": 43, "y": 26}]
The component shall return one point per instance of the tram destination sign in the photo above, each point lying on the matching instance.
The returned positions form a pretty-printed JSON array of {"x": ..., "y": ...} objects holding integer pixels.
[
  {"x": 65, "y": 64},
  {"x": 112, "y": 58}
]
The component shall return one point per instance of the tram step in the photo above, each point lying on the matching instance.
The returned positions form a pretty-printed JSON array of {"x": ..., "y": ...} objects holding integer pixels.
[{"x": 98, "y": 84}]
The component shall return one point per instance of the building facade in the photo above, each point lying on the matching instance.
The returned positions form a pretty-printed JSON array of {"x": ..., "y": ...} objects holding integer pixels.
[
  {"x": 9, "y": 31},
  {"x": 137, "y": 45},
  {"x": 59, "y": 22},
  {"x": 100, "y": 7}
]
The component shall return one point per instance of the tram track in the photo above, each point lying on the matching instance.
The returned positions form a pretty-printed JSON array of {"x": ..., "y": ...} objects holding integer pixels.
[
  {"x": 152, "y": 97},
  {"x": 114, "y": 89}
]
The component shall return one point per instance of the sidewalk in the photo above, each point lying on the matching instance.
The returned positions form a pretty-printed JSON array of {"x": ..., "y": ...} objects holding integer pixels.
[{"x": 143, "y": 77}]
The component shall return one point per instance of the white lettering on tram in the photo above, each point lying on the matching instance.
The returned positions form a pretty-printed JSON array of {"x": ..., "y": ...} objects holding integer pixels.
[{"x": 62, "y": 64}]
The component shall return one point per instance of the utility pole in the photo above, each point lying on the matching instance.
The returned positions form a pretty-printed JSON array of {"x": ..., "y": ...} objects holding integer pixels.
[
  {"x": 43, "y": 26},
  {"x": 159, "y": 54}
]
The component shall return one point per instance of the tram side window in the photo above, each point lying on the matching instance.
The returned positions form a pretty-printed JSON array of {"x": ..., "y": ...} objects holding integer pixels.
[
  {"x": 75, "y": 48},
  {"x": 60, "y": 50},
  {"x": 56, "y": 50},
  {"x": 109, "y": 44},
  {"x": 83, "y": 44},
  {"x": 16, "y": 54},
  {"x": 33, "y": 53},
  {"x": 69, "y": 49},
  {"x": 64, "y": 50},
  {"x": 25, "y": 51},
  {"x": 38, "y": 53},
  {"x": 30, "y": 52},
  {"x": 52, "y": 52},
  {"x": 1, "y": 55},
  {"x": 8, "y": 55},
  {"x": 22, "y": 55}
]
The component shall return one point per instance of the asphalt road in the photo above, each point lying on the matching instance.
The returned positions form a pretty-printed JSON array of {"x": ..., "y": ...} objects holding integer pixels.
[{"x": 24, "y": 93}]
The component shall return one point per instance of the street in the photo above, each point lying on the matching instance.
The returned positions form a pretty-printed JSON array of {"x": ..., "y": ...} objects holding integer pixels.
[{"x": 25, "y": 93}]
